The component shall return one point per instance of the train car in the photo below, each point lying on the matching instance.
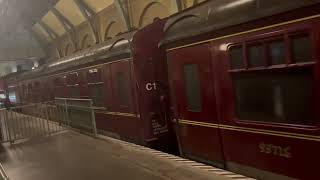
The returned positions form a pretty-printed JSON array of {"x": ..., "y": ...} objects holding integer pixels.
[
  {"x": 107, "y": 74},
  {"x": 152, "y": 81},
  {"x": 244, "y": 81}
]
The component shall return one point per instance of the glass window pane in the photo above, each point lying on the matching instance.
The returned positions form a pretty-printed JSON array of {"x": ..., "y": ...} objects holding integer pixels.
[
  {"x": 276, "y": 52},
  {"x": 72, "y": 79},
  {"x": 236, "y": 57},
  {"x": 94, "y": 75},
  {"x": 96, "y": 94},
  {"x": 121, "y": 89},
  {"x": 256, "y": 55},
  {"x": 12, "y": 96},
  {"x": 301, "y": 48},
  {"x": 284, "y": 97},
  {"x": 192, "y": 84},
  {"x": 74, "y": 91}
]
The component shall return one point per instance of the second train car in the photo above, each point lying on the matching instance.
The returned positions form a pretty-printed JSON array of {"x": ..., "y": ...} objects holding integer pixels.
[{"x": 244, "y": 79}]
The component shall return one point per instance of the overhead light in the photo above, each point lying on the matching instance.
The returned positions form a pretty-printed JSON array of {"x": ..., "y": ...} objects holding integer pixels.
[
  {"x": 35, "y": 64},
  {"x": 223, "y": 47}
]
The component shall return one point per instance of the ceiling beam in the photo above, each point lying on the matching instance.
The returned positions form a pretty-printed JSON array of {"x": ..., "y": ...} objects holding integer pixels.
[
  {"x": 67, "y": 25},
  {"x": 180, "y": 5},
  {"x": 123, "y": 7},
  {"x": 85, "y": 7},
  {"x": 89, "y": 14},
  {"x": 51, "y": 33}
]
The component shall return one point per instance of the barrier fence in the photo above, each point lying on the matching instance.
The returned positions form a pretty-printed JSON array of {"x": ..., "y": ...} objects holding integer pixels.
[
  {"x": 79, "y": 114},
  {"x": 46, "y": 118}
]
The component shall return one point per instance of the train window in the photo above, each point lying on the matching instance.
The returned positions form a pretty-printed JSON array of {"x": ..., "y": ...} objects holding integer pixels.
[
  {"x": 72, "y": 78},
  {"x": 236, "y": 57},
  {"x": 281, "y": 97},
  {"x": 24, "y": 93},
  {"x": 74, "y": 91},
  {"x": 301, "y": 48},
  {"x": 256, "y": 55},
  {"x": 96, "y": 94},
  {"x": 29, "y": 92},
  {"x": 192, "y": 85},
  {"x": 59, "y": 84},
  {"x": 12, "y": 96},
  {"x": 122, "y": 89},
  {"x": 36, "y": 92},
  {"x": 95, "y": 85},
  {"x": 94, "y": 75},
  {"x": 276, "y": 52}
]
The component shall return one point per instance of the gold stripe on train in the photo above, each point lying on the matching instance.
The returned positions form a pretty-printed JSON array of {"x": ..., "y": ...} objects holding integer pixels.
[
  {"x": 246, "y": 32},
  {"x": 117, "y": 113},
  {"x": 183, "y": 121},
  {"x": 252, "y": 130}
]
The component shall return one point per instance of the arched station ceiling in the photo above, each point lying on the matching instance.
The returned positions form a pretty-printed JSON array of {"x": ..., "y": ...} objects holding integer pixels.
[
  {"x": 55, "y": 23},
  {"x": 52, "y": 29},
  {"x": 72, "y": 11}
]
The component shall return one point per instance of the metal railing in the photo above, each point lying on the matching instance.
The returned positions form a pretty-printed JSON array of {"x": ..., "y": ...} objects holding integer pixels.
[
  {"x": 79, "y": 114},
  {"x": 44, "y": 119},
  {"x": 23, "y": 122},
  {"x": 3, "y": 174}
]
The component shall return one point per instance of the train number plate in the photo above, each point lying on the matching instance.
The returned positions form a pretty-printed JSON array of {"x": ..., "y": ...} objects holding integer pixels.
[{"x": 282, "y": 151}]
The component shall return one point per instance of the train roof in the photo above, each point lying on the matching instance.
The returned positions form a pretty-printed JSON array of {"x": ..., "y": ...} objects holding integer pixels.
[
  {"x": 218, "y": 14},
  {"x": 118, "y": 47}
]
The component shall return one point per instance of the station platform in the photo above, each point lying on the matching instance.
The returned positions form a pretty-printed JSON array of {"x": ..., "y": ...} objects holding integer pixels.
[{"x": 70, "y": 155}]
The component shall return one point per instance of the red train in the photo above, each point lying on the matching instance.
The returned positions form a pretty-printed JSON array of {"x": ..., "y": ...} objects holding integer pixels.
[
  {"x": 126, "y": 91},
  {"x": 236, "y": 81}
]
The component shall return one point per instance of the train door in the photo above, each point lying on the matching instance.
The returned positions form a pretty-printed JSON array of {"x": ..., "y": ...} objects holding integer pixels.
[
  {"x": 192, "y": 89},
  {"x": 73, "y": 86},
  {"x": 59, "y": 84},
  {"x": 126, "y": 121},
  {"x": 122, "y": 88}
]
